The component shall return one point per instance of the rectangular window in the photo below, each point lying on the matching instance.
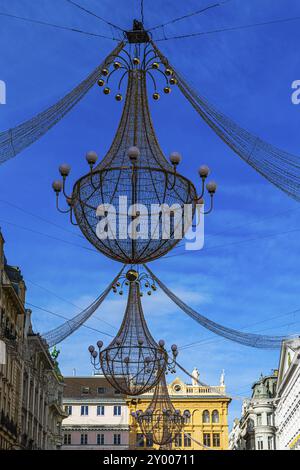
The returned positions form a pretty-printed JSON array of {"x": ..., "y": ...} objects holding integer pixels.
[
  {"x": 117, "y": 439},
  {"x": 269, "y": 419},
  {"x": 100, "y": 410},
  {"x": 149, "y": 440},
  {"x": 85, "y": 390},
  {"x": 259, "y": 420},
  {"x": 216, "y": 440},
  {"x": 178, "y": 440},
  {"x": 140, "y": 440},
  {"x": 100, "y": 439},
  {"x": 68, "y": 410},
  {"x": 117, "y": 410},
  {"x": 270, "y": 442},
  {"x": 83, "y": 439},
  {"x": 84, "y": 410},
  {"x": 260, "y": 444},
  {"x": 206, "y": 439},
  {"x": 67, "y": 439},
  {"x": 187, "y": 440},
  {"x": 101, "y": 390}
]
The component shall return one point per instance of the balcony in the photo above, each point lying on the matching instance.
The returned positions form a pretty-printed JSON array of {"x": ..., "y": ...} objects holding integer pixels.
[
  {"x": 6, "y": 334},
  {"x": 8, "y": 425}
]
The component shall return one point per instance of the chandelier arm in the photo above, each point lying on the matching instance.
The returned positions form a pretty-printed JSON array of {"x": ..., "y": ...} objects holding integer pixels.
[
  {"x": 122, "y": 78},
  {"x": 62, "y": 211},
  {"x": 211, "y": 205},
  {"x": 202, "y": 189},
  {"x": 120, "y": 57},
  {"x": 114, "y": 71},
  {"x": 71, "y": 218},
  {"x": 155, "y": 56},
  {"x": 153, "y": 79},
  {"x": 166, "y": 78}
]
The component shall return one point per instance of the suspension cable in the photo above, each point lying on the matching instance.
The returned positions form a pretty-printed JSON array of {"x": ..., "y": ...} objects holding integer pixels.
[
  {"x": 94, "y": 14},
  {"x": 233, "y": 28},
  {"x": 66, "y": 318},
  {"x": 188, "y": 15},
  {"x": 142, "y": 11},
  {"x": 53, "y": 25}
]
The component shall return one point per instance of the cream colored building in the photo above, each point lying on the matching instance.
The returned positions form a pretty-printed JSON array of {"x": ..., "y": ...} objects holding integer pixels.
[
  {"x": 12, "y": 316},
  {"x": 31, "y": 386},
  {"x": 287, "y": 413}
]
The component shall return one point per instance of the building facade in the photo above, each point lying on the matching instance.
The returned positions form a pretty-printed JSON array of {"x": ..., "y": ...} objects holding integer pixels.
[
  {"x": 31, "y": 386},
  {"x": 287, "y": 414},
  {"x": 12, "y": 318},
  {"x": 256, "y": 429},
  {"x": 207, "y": 427},
  {"x": 97, "y": 415}
]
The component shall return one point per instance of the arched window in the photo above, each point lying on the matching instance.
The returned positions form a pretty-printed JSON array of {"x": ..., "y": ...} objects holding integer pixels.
[
  {"x": 187, "y": 416},
  {"x": 215, "y": 416},
  {"x": 205, "y": 416}
]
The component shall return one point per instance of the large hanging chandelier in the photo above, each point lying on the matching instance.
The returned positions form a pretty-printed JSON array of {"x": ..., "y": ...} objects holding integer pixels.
[
  {"x": 160, "y": 421},
  {"x": 133, "y": 362},
  {"x": 122, "y": 205}
]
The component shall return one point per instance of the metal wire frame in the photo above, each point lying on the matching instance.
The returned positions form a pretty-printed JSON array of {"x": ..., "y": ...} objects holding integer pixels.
[
  {"x": 151, "y": 188},
  {"x": 144, "y": 279},
  {"x": 160, "y": 420},
  {"x": 143, "y": 59},
  {"x": 151, "y": 181},
  {"x": 133, "y": 362}
]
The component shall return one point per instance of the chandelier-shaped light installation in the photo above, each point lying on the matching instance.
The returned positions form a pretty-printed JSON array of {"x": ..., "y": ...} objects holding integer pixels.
[
  {"x": 160, "y": 422},
  {"x": 133, "y": 362},
  {"x": 122, "y": 204}
]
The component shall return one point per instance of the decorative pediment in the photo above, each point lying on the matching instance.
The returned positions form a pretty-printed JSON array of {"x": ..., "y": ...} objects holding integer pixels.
[{"x": 288, "y": 352}]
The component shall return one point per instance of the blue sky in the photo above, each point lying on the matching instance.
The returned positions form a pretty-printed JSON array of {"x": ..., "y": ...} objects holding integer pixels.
[{"x": 247, "y": 276}]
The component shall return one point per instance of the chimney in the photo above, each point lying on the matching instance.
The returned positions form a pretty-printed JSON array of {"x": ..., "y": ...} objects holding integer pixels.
[{"x": 28, "y": 326}]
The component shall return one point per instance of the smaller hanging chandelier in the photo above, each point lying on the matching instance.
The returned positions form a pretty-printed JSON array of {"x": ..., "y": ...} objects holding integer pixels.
[
  {"x": 133, "y": 362},
  {"x": 160, "y": 422}
]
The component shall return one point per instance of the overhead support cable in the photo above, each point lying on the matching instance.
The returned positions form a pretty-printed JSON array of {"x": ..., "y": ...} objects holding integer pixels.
[
  {"x": 94, "y": 14},
  {"x": 142, "y": 11},
  {"x": 53, "y": 25},
  {"x": 233, "y": 28},
  {"x": 188, "y": 15},
  {"x": 59, "y": 315}
]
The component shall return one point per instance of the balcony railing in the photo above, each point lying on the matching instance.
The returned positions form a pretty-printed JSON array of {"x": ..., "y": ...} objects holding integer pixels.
[
  {"x": 6, "y": 333},
  {"x": 8, "y": 424}
]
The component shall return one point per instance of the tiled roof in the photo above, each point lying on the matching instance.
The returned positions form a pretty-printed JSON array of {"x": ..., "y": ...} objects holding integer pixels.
[{"x": 87, "y": 387}]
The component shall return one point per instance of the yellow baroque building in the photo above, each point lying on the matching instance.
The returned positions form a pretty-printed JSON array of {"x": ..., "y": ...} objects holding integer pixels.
[{"x": 207, "y": 427}]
